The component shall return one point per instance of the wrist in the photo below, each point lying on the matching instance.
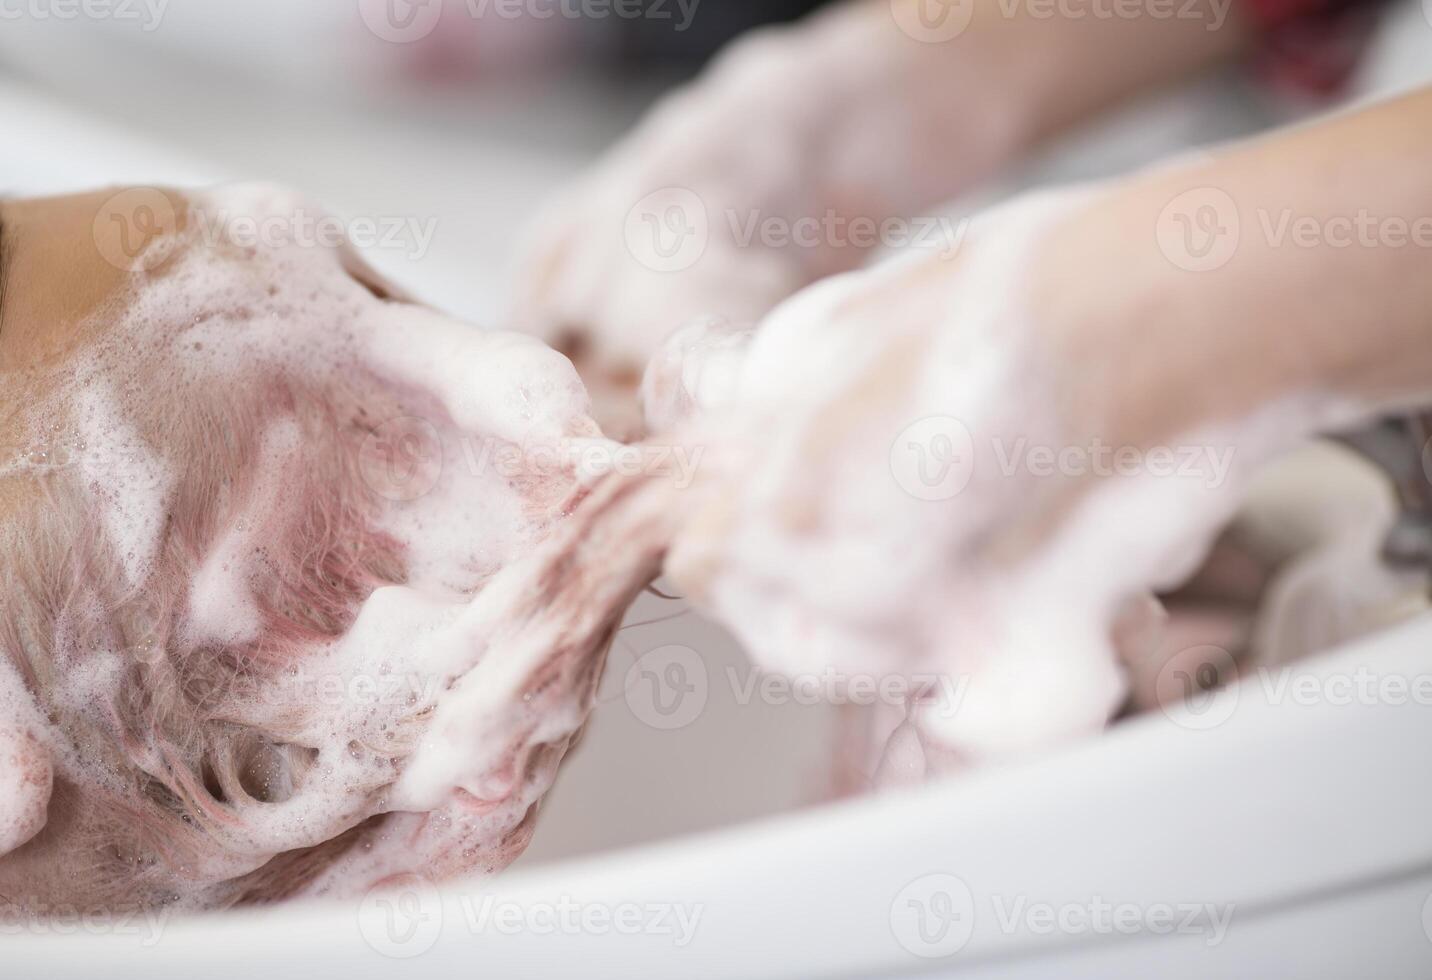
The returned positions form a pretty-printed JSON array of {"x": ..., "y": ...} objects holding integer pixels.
[
  {"x": 1163, "y": 349},
  {"x": 1201, "y": 293}
]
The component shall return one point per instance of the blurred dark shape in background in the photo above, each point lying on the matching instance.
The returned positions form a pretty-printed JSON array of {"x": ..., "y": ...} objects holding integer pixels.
[
  {"x": 646, "y": 43},
  {"x": 355, "y": 48},
  {"x": 495, "y": 40},
  {"x": 617, "y": 39}
]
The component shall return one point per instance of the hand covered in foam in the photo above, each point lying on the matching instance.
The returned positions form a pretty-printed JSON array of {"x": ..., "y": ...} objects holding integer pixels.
[
  {"x": 927, "y": 469},
  {"x": 781, "y": 165},
  {"x": 643, "y": 241}
]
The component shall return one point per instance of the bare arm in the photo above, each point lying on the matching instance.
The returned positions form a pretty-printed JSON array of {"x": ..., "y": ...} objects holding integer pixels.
[
  {"x": 864, "y": 113},
  {"x": 1296, "y": 264},
  {"x": 1098, "y": 372},
  {"x": 996, "y": 77}
]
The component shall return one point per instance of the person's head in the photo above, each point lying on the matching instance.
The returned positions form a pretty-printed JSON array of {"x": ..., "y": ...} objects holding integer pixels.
[{"x": 218, "y": 439}]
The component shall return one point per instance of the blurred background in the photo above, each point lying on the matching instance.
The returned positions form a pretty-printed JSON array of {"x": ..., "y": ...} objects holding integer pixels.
[
  {"x": 461, "y": 116},
  {"x": 460, "y": 111}
]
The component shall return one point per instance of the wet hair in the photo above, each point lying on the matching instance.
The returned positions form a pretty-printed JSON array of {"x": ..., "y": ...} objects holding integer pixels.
[
  {"x": 170, "y": 732},
  {"x": 185, "y": 566}
]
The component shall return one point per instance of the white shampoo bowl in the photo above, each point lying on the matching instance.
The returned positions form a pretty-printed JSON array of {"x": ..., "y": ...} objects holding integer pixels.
[{"x": 1298, "y": 815}]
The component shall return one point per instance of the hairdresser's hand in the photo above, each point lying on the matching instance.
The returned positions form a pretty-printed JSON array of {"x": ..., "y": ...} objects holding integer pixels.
[
  {"x": 878, "y": 495},
  {"x": 969, "y": 467},
  {"x": 877, "y": 498},
  {"x": 772, "y": 171},
  {"x": 803, "y": 149}
]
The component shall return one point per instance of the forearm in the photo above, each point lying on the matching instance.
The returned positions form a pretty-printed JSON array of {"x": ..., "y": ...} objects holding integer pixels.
[
  {"x": 1065, "y": 61},
  {"x": 914, "y": 113},
  {"x": 807, "y": 145},
  {"x": 1297, "y": 264}
]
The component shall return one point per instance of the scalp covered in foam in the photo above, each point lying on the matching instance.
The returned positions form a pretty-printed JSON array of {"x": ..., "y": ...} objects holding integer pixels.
[{"x": 283, "y": 570}]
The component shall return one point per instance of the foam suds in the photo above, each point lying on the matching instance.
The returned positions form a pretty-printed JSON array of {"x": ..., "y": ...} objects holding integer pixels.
[
  {"x": 332, "y": 605},
  {"x": 815, "y": 545},
  {"x": 306, "y": 629},
  {"x": 697, "y": 371},
  {"x": 129, "y": 484}
]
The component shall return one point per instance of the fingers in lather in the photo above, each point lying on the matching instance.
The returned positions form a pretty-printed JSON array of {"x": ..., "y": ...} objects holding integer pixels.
[
  {"x": 26, "y": 780},
  {"x": 26, "y": 773}
]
